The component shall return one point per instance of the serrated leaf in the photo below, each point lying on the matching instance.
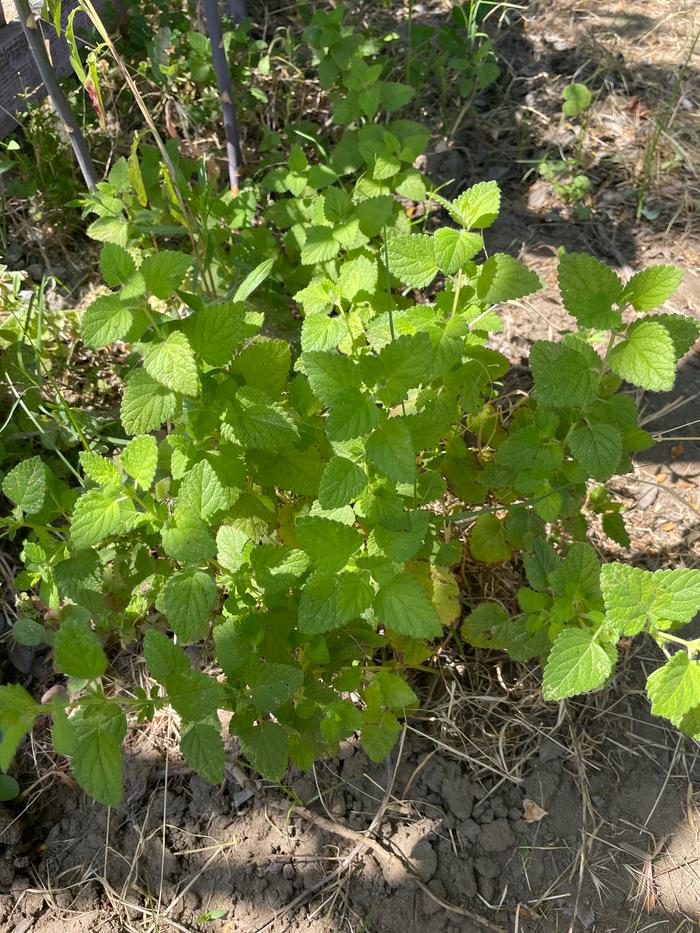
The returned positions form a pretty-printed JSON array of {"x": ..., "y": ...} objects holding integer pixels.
[
  {"x": 97, "y": 764},
  {"x": 140, "y": 458},
  {"x": 357, "y": 275},
  {"x": 320, "y": 246},
  {"x": 106, "y": 320},
  {"x": 202, "y": 492},
  {"x": 215, "y": 331},
  {"x": 193, "y": 694},
  {"x": 146, "y": 404},
  {"x": 564, "y": 377},
  {"x": 116, "y": 264},
  {"x": 646, "y": 358},
  {"x": 163, "y": 657},
  {"x": 77, "y": 651},
  {"x": 403, "y": 606},
  {"x": 487, "y": 540},
  {"x": 378, "y": 738},
  {"x": 25, "y": 485},
  {"x": 478, "y": 206},
  {"x": 341, "y": 483},
  {"x": 683, "y": 331},
  {"x": 589, "y": 289},
  {"x": 503, "y": 278},
  {"x": 328, "y": 543},
  {"x": 635, "y": 598},
  {"x": 203, "y": 750},
  {"x": 576, "y": 664},
  {"x": 17, "y": 714},
  {"x": 401, "y": 365},
  {"x": 649, "y": 288},
  {"x": 352, "y": 414},
  {"x": 99, "y": 469},
  {"x": 230, "y": 544},
  {"x": 258, "y": 421},
  {"x": 187, "y": 539},
  {"x": 264, "y": 364},
  {"x": 172, "y": 364},
  {"x": 598, "y": 448},
  {"x": 163, "y": 272},
  {"x": 454, "y": 248},
  {"x": 412, "y": 259},
  {"x": 273, "y": 685},
  {"x": 96, "y": 516},
  {"x": 266, "y": 748},
  {"x": 330, "y": 375},
  {"x": 390, "y": 450},
  {"x": 320, "y": 332},
  {"x": 674, "y": 689},
  {"x": 187, "y": 600}
]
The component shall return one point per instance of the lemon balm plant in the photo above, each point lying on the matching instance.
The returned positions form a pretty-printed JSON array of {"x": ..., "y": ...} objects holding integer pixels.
[{"x": 294, "y": 512}]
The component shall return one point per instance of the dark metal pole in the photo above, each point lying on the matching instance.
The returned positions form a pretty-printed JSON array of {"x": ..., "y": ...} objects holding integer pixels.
[
  {"x": 223, "y": 80},
  {"x": 35, "y": 41}
]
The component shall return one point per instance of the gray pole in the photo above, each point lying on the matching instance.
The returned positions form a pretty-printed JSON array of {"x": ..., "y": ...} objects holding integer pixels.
[
  {"x": 223, "y": 80},
  {"x": 35, "y": 41}
]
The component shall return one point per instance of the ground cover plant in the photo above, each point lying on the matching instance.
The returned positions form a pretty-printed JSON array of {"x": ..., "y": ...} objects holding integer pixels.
[{"x": 297, "y": 506}]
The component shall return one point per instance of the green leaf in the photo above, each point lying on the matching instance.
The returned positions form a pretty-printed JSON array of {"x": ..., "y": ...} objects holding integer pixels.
[
  {"x": 320, "y": 246},
  {"x": 318, "y": 604},
  {"x": 330, "y": 375},
  {"x": 266, "y": 748},
  {"x": 98, "y": 765},
  {"x": 674, "y": 689},
  {"x": 107, "y": 319},
  {"x": 328, "y": 543},
  {"x": 163, "y": 656},
  {"x": 683, "y": 331},
  {"x": 77, "y": 651},
  {"x": 487, "y": 540},
  {"x": 17, "y": 714},
  {"x": 253, "y": 280},
  {"x": 215, "y": 331},
  {"x": 478, "y": 206},
  {"x": 564, "y": 377},
  {"x": 576, "y": 664},
  {"x": 187, "y": 539},
  {"x": 357, "y": 275},
  {"x": 403, "y": 606},
  {"x": 203, "y": 750},
  {"x": 230, "y": 543},
  {"x": 96, "y": 516},
  {"x": 352, "y": 414},
  {"x": 146, "y": 404},
  {"x": 636, "y": 598},
  {"x": 265, "y": 364},
  {"x": 577, "y": 98},
  {"x": 341, "y": 483},
  {"x": 99, "y": 469},
  {"x": 9, "y": 788},
  {"x": 646, "y": 357},
  {"x": 401, "y": 365},
  {"x": 163, "y": 272},
  {"x": 273, "y": 685},
  {"x": 649, "y": 288},
  {"x": 27, "y": 632},
  {"x": 390, "y": 450},
  {"x": 412, "y": 259},
  {"x": 454, "y": 248},
  {"x": 598, "y": 449},
  {"x": 187, "y": 600},
  {"x": 202, "y": 492},
  {"x": 116, "y": 264},
  {"x": 172, "y": 364},
  {"x": 25, "y": 485},
  {"x": 320, "y": 332},
  {"x": 140, "y": 458},
  {"x": 589, "y": 289},
  {"x": 259, "y": 422},
  {"x": 378, "y": 738},
  {"x": 503, "y": 278},
  {"x": 193, "y": 694}
]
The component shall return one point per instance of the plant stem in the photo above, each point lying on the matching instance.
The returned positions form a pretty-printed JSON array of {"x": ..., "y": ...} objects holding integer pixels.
[
  {"x": 35, "y": 41},
  {"x": 223, "y": 80}
]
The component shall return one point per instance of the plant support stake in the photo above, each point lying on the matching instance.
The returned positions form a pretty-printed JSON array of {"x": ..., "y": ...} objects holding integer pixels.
[
  {"x": 35, "y": 41},
  {"x": 223, "y": 80}
]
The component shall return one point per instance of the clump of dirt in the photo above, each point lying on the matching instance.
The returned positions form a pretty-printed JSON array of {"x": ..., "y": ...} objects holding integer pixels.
[{"x": 580, "y": 817}]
